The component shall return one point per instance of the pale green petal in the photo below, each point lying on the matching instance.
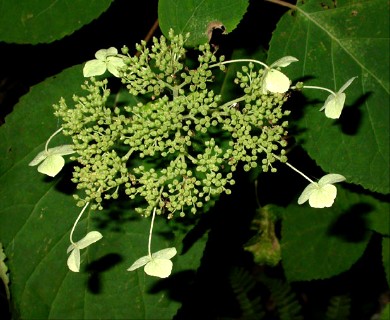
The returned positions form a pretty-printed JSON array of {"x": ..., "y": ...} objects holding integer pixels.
[
  {"x": 112, "y": 51},
  {"x": 90, "y": 238},
  {"x": 161, "y": 268},
  {"x": 139, "y": 263},
  {"x": 94, "y": 68},
  {"x": 39, "y": 158},
  {"x": 284, "y": 62},
  {"x": 346, "y": 85},
  {"x": 74, "y": 260},
  {"x": 101, "y": 55},
  {"x": 114, "y": 64},
  {"x": 305, "y": 195},
  {"x": 276, "y": 82},
  {"x": 70, "y": 248},
  {"x": 334, "y": 107},
  {"x": 61, "y": 150},
  {"x": 323, "y": 197},
  {"x": 330, "y": 179},
  {"x": 167, "y": 253},
  {"x": 52, "y": 165}
]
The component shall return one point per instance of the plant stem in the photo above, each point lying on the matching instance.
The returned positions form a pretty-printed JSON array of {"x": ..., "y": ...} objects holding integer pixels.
[
  {"x": 319, "y": 88},
  {"x": 150, "y": 233},
  {"x": 283, "y": 4},
  {"x": 51, "y": 137},
  {"x": 75, "y": 223},
  {"x": 291, "y": 166},
  {"x": 238, "y": 60}
]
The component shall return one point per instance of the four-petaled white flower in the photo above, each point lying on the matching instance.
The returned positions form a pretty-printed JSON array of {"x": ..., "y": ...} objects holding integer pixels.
[
  {"x": 334, "y": 104},
  {"x": 106, "y": 59},
  {"x": 321, "y": 194},
  {"x": 274, "y": 80},
  {"x": 52, "y": 159},
  {"x": 157, "y": 264},
  {"x": 74, "y": 249}
]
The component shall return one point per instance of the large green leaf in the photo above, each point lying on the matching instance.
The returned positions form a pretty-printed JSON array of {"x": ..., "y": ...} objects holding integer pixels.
[
  {"x": 333, "y": 45},
  {"x": 26, "y": 21},
  {"x": 195, "y": 16},
  {"x": 37, "y": 214},
  {"x": 321, "y": 243}
]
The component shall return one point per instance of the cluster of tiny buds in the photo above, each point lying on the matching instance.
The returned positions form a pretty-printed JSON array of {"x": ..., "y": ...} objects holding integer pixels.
[{"x": 177, "y": 147}]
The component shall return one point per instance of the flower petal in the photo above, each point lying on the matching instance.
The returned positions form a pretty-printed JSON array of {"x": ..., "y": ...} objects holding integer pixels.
[
  {"x": 276, "y": 82},
  {"x": 62, "y": 150},
  {"x": 323, "y": 197},
  {"x": 39, "y": 158},
  {"x": 333, "y": 107},
  {"x": 283, "y": 62},
  {"x": 139, "y": 263},
  {"x": 161, "y": 268},
  {"x": 330, "y": 179},
  {"x": 74, "y": 260},
  {"x": 305, "y": 195},
  {"x": 94, "y": 68},
  {"x": 70, "y": 248},
  {"x": 114, "y": 64},
  {"x": 90, "y": 238},
  {"x": 52, "y": 165},
  {"x": 167, "y": 253},
  {"x": 346, "y": 85}
]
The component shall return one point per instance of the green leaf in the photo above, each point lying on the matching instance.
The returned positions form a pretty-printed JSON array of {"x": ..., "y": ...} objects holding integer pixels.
[
  {"x": 197, "y": 17},
  {"x": 334, "y": 45},
  {"x": 321, "y": 243},
  {"x": 386, "y": 257},
  {"x": 44, "y": 21},
  {"x": 38, "y": 212}
]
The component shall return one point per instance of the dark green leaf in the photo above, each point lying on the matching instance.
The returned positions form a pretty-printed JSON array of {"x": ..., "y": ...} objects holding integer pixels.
[
  {"x": 333, "y": 45},
  {"x": 321, "y": 243},
  {"x": 199, "y": 17},
  {"x": 27, "y": 21}
]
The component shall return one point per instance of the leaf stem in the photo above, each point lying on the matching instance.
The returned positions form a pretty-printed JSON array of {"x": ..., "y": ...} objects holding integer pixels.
[
  {"x": 75, "y": 223},
  {"x": 51, "y": 137}
]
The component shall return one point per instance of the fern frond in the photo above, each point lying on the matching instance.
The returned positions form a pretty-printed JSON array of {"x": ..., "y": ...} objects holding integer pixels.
[
  {"x": 339, "y": 308},
  {"x": 243, "y": 284},
  {"x": 287, "y": 304}
]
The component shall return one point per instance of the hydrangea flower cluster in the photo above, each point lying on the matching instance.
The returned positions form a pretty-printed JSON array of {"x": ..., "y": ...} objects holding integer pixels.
[
  {"x": 174, "y": 145},
  {"x": 174, "y": 128}
]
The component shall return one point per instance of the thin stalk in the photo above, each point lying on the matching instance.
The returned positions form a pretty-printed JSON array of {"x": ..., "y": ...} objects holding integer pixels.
[
  {"x": 51, "y": 137},
  {"x": 150, "y": 233},
  {"x": 75, "y": 223}
]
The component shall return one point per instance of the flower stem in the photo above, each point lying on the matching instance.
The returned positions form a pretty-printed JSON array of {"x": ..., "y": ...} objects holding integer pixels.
[
  {"x": 291, "y": 166},
  {"x": 150, "y": 233},
  {"x": 319, "y": 88},
  {"x": 238, "y": 60},
  {"x": 75, "y": 223},
  {"x": 51, "y": 137}
]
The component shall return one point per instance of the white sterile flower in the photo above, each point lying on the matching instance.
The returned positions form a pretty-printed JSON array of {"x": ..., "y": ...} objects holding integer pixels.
[
  {"x": 274, "y": 80},
  {"x": 321, "y": 194},
  {"x": 334, "y": 104},
  {"x": 106, "y": 59},
  {"x": 74, "y": 249},
  {"x": 52, "y": 159},
  {"x": 158, "y": 264}
]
